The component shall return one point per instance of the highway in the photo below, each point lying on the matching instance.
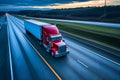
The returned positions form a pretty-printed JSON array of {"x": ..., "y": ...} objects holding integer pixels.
[{"x": 29, "y": 61}]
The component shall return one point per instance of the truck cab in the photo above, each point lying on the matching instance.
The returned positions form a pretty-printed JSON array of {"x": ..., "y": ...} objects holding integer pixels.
[{"x": 53, "y": 41}]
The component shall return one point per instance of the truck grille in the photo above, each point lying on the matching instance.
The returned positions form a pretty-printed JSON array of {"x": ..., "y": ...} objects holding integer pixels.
[{"x": 62, "y": 49}]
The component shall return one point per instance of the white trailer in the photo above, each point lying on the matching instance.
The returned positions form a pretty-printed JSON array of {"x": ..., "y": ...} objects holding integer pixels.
[{"x": 34, "y": 27}]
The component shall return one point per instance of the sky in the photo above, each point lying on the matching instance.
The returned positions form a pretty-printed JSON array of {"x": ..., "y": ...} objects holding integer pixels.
[{"x": 54, "y": 4}]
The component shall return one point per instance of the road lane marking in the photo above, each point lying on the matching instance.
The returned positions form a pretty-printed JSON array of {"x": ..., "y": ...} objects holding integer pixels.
[
  {"x": 10, "y": 57},
  {"x": 44, "y": 60},
  {"x": 82, "y": 63}
]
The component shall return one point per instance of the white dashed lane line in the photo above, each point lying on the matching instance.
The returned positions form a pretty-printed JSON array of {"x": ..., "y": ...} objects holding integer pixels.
[{"x": 82, "y": 63}]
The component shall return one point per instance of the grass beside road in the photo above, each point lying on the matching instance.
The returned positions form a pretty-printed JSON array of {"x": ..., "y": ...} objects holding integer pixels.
[
  {"x": 100, "y": 34},
  {"x": 108, "y": 31},
  {"x": 106, "y": 35}
]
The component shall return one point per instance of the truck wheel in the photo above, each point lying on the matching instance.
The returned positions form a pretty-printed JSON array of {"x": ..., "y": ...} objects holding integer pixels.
[
  {"x": 40, "y": 42},
  {"x": 48, "y": 50},
  {"x": 52, "y": 54}
]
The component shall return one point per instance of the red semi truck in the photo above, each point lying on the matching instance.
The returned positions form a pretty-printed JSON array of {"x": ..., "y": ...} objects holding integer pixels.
[{"x": 48, "y": 36}]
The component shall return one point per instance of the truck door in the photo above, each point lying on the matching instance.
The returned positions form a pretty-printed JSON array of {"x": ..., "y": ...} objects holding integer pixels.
[{"x": 44, "y": 38}]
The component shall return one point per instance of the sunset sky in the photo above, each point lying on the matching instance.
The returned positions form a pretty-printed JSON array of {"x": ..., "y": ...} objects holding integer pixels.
[
  {"x": 56, "y": 4},
  {"x": 83, "y": 4}
]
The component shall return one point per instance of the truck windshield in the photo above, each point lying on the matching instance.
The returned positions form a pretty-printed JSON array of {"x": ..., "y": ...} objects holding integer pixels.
[{"x": 55, "y": 38}]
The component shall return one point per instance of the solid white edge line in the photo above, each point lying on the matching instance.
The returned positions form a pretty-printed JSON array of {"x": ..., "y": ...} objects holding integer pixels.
[
  {"x": 107, "y": 59},
  {"x": 11, "y": 68}
]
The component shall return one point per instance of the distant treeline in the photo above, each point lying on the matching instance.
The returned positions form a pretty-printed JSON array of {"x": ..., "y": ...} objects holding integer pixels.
[{"x": 90, "y": 13}]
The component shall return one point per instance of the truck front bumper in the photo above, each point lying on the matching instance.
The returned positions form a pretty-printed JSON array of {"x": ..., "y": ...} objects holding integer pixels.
[{"x": 61, "y": 54}]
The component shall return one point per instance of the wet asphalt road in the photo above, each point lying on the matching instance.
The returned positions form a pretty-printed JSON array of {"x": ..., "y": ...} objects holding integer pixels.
[{"x": 84, "y": 62}]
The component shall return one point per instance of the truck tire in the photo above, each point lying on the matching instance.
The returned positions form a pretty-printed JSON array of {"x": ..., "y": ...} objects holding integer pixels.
[
  {"x": 52, "y": 54},
  {"x": 48, "y": 50},
  {"x": 40, "y": 42}
]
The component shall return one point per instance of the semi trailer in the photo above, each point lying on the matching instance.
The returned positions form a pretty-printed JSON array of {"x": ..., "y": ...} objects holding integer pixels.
[{"x": 48, "y": 36}]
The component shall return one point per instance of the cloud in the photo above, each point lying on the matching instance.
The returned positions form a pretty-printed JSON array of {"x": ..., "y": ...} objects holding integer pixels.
[{"x": 37, "y": 2}]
